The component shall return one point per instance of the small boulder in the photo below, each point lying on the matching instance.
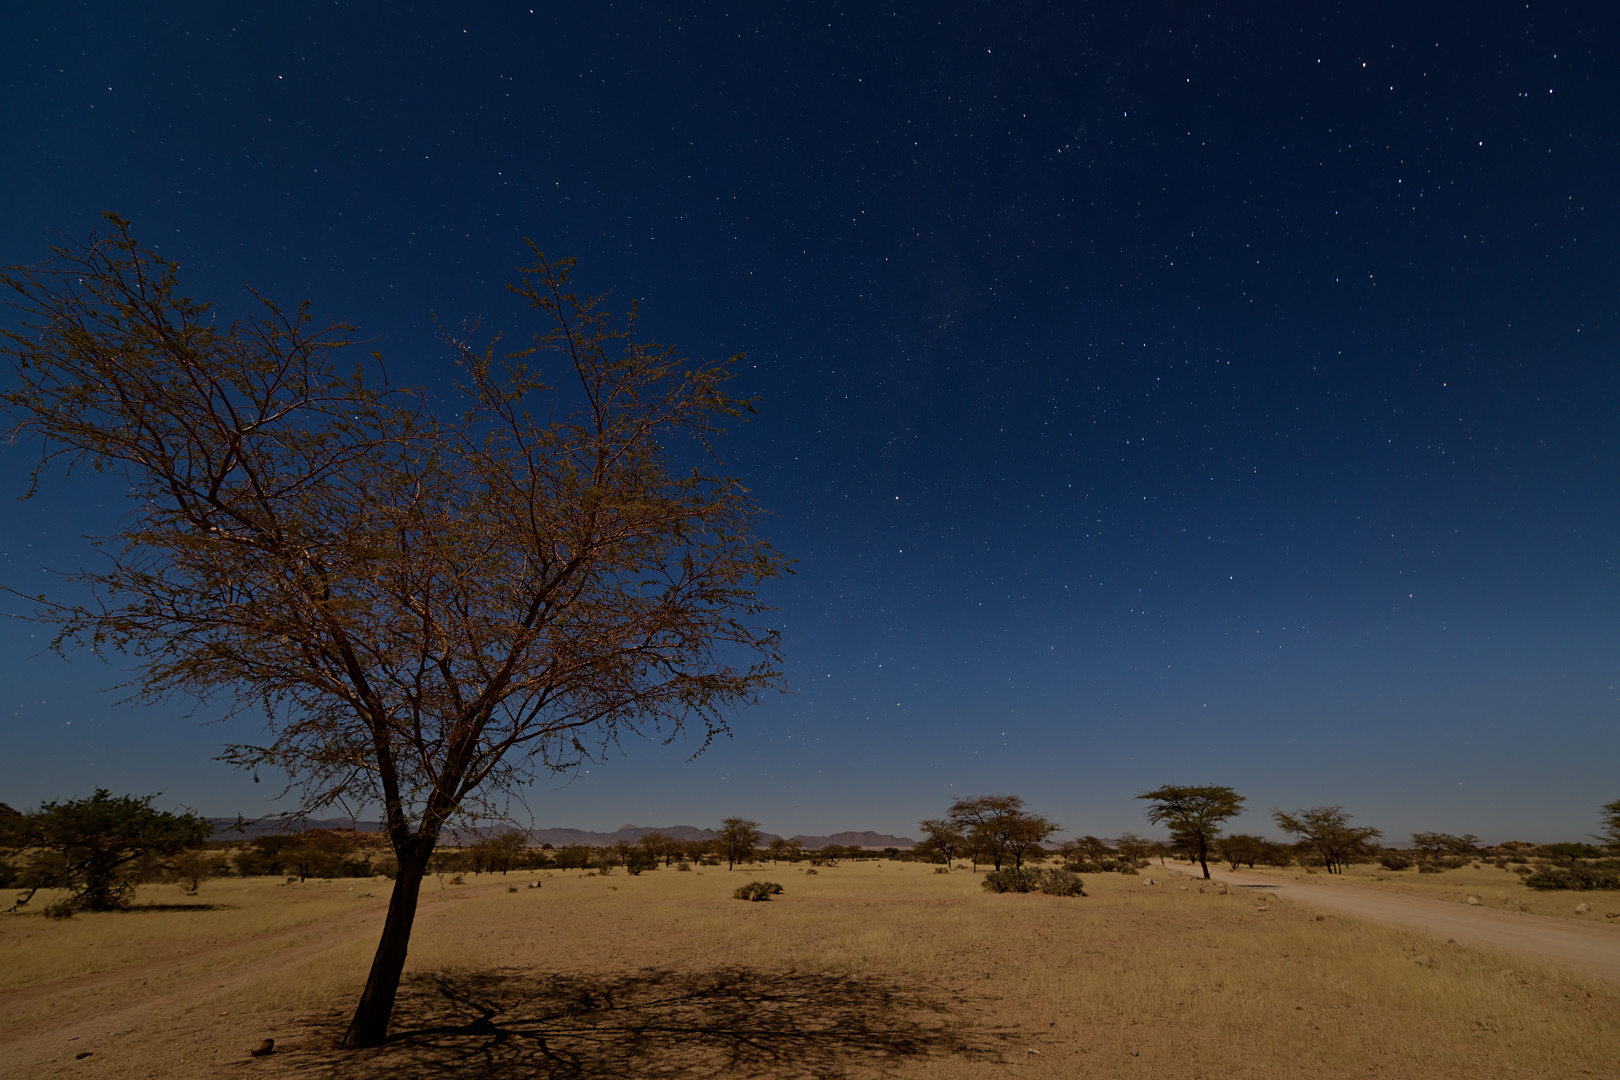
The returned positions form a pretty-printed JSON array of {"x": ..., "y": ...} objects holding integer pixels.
[
  {"x": 1474, "y": 901},
  {"x": 263, "y": 1049},
  {"x": 1582, "y": 908}
]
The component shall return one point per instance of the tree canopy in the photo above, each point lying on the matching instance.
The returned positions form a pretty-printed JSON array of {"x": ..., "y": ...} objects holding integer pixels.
[
  {"x": 1194, "y": 815},
  {"x": 429, "y": 602},
  {"x": 91, "y": 846},
  {"x": 998, "y": 827},
  {"x": 737, "y": 839},
  {"x": 1327, "y": 829}
]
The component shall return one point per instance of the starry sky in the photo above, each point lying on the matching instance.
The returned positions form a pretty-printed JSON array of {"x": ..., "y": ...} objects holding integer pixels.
[{"x": 1171, "y": 393}]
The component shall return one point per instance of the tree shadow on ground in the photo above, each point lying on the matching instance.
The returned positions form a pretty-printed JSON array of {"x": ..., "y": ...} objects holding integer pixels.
[{"x": 652, "y": 1025}]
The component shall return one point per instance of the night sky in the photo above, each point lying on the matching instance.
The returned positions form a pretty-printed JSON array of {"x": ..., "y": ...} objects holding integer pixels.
[{"x": 1180, "y": 393}]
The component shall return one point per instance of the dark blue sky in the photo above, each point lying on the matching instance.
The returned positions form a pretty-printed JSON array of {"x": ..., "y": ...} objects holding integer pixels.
[{"x": 1177, "y": 394}]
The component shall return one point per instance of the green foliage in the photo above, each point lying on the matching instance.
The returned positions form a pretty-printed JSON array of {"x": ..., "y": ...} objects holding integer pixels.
[
  {"x": 1194, "y": 815},
  {"x": 757, "y": 890},
  {"x": 737, "y": 839},
  {"x": 1572, "y": 877},
  {"x": 1434, "y": 845},
  {"x": 998, "y": 828},
  {"x": 1327, "y": 831},
  {"x": 1610, "y": 818},
  {"x": 1023, "y": 880},
  {"x": 95, "y": 846},
  {"x": 1571, "y": 852}
]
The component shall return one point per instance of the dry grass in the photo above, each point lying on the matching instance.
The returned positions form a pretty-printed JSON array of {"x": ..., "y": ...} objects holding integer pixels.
[
  {"x": 862, "y": 969},
  {"x": 1503, "y": 890}
]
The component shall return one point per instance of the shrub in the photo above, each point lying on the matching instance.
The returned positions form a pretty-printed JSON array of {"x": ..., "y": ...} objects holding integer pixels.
[
  {"x": 1394, "y": 860},
  {"x": 1429, "y": 868},
  {"x": 684, "y": 866},
  {"x": 1061, "y": 883},
  {"x": 1572, "y": 877},
  {"x": 757, "y": 890},
  {"x": 1051, "y": 882}
]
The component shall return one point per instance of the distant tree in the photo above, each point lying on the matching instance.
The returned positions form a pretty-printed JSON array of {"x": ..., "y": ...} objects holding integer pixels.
[
  {"x": 658, "y": 846},
  {"x": 573, "y": 857},
  {"x": 91, "y": 846},
  {"x": 1132, "y": 847},
  {"x": 1435, "y": 844},
  {"x": 1242, "y": 849},
  {"x": 999, "y": 828},
  {"x": 737, "y": 839},
  {"x": 778, "y": 850},
  {"x": 1327, "y": 830},
  {"x": 192, "y": 868},
  {"x": 430, "y": 604},
  {"x": 496, "y": 852},
  {"x": 1610, "y": 834},
  {"x": 942, "y": 835},
  {"x": 1194, "y": 815},
  {"x": 1571, "y": 852}
]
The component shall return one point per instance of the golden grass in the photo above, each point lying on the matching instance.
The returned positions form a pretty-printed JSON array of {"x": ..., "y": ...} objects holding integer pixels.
[
  {"x": 1503, "y": 890},
  {"x": 863, "y": 968}
]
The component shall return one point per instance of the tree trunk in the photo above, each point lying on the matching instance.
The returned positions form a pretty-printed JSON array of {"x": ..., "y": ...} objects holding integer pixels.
[{"x": 370, "y": 1024}]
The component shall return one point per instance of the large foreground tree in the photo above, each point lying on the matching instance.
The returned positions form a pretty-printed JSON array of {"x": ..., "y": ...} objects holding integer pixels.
[
  {"x": 429, "y": 601},
  {"x": 1194, "y": 815}
]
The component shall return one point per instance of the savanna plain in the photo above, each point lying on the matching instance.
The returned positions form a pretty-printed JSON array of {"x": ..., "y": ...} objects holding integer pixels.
[{"x": 869, "y": 968}]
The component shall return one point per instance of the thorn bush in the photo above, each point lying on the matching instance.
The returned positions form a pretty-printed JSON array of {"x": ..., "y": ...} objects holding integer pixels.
[{"x": 757, "y": 890}]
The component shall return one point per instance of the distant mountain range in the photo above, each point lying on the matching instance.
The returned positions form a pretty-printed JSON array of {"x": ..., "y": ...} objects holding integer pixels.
[{"x": 227, "y": 829}]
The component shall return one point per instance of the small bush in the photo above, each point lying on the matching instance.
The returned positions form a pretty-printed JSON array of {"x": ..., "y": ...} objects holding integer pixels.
[
  {"x": 942, "y": 869},
  {"x": 757, "y": 890},
  {"x": 62, "y": 909},
  {"x": 1430, "y": 868},
  {"x": 812, "y": 870},
  {"x": 1394, "y": 860},
  {"x": 1572, "y": 877},
  {"x": 1061, "y": 883},
  {"x": 1051, "y": 882},
  {"x": 684, "y": 866}
]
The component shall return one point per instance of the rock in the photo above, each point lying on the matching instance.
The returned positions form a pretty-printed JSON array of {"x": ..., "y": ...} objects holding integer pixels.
[
  {"x": 1181, "y": 888},
  {"x": 266, "y": 1047},
  {"x": 1321, "y": 918},
  {"x": 1582, "y": 909},
  {"x": 82, "y": 1054},
  {"x": 1262, "y": 907},
  {"x": 1423, "y": 961},
  {"x": 1150, "y": 881},
  {"x": 1473, "y": 901}
]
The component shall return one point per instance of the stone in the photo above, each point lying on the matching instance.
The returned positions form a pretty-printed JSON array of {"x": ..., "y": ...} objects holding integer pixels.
[
  {"x": 1423, "y": 961},
  {"x": 1473, "y": 901},
  {"x": 1582, "y": 909},
  {"x": 266, "y": 1047}
]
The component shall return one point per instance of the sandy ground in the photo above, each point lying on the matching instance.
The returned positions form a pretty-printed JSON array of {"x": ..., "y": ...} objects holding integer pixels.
[{"x": 1590, "y": 948}]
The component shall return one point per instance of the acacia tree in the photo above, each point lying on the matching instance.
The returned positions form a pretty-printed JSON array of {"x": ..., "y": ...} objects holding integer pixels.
[
  {"x": 737, "y": 839},
  {"x": 91, "y": 845},
  {"x": 940, "y": 835},
  {"x": 1328, "y": 830},
  {"x": 1611, "y": 825},
  {"x": 1194, "y": 815},
  {"x": 998, "y": 827},
  {"x": 428, "y": 606}
]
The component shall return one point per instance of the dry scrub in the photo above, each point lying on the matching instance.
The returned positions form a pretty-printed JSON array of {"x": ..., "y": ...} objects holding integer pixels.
[{"x": 862, "y": 969}]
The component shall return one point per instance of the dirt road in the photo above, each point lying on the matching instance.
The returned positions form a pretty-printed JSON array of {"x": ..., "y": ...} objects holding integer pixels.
[{"x": 1590, "y": 948}]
